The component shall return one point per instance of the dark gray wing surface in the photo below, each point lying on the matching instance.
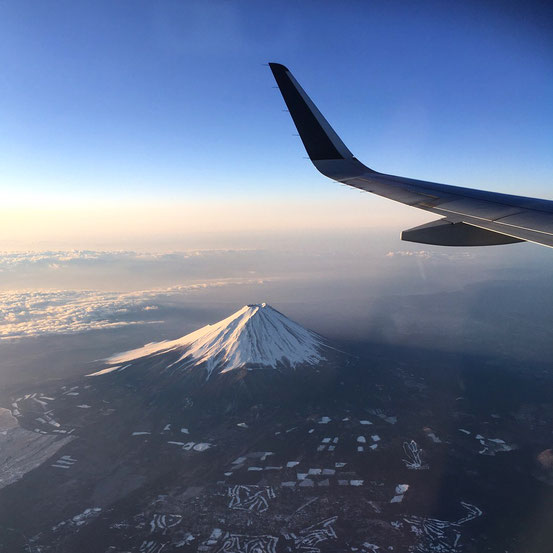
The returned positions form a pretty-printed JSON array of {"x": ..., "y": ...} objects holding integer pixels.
[{"x": 470, "y": 217}]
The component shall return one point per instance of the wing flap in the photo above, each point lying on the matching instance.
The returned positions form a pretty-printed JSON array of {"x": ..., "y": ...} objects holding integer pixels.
[
  {"x": 479, "y": 208},
  {"x": 528, "y": 235},
  {"x": 530, "y": 220}
]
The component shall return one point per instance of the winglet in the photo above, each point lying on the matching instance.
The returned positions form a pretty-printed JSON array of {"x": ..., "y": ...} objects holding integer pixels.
[{"x": 318, "y": 137}]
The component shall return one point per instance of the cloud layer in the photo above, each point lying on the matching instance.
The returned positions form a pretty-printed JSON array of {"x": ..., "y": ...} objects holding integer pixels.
[
  {"x": 34, "y": 313},
  {"x": 54, "y": 259}
]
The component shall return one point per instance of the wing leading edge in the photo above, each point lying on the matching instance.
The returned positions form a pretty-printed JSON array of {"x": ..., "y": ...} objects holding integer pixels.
[{"x": 470, "y": 217}]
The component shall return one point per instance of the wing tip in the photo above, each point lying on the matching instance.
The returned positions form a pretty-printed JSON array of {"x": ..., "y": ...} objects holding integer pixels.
[{"x": 278, "y": 67}]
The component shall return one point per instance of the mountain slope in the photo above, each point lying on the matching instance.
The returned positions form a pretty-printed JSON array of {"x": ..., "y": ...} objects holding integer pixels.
[{"x": 256, "y": 336}]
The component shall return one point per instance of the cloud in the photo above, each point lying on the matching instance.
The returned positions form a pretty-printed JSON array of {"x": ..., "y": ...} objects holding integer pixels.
[
  {"x": 34, "y": 313},
  {"x": 125, "y": 270},
  {"x": 426, "y": 254},
  {"x": 58, "y": 259},
  {"x": 403, "y": 253}
]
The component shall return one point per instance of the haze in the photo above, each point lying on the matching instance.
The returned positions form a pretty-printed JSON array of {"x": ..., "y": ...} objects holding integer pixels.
[{"x": 134, "y": 124}]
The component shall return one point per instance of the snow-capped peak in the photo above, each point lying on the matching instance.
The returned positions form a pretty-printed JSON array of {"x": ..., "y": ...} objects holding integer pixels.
[{"x": 257, "y": 335}]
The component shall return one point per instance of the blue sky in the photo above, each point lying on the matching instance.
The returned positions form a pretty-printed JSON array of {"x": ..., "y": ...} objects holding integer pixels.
[{"x": 168, "y": 103}]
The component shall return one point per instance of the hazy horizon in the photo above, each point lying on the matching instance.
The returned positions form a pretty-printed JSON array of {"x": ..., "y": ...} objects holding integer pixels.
[{"x": 361, "y": 286}]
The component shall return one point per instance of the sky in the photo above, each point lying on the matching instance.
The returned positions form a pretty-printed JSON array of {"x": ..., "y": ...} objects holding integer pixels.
[{"x": 153, "y": 125}]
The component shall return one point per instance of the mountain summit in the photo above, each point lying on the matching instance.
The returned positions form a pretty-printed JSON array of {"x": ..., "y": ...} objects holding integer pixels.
[{"x": 256, "y": 336}]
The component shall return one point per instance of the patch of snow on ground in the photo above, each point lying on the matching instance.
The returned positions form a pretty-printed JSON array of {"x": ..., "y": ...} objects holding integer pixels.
[
  {"x": 491, "y": 446},
  {"x": 80, "y": 519},
  {"x": 413, "y": 455},
  {"x": 399, "y": 493}
]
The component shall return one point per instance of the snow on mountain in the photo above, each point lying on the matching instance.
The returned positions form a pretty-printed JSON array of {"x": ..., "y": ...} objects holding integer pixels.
[{"x": 257, "y": 335}]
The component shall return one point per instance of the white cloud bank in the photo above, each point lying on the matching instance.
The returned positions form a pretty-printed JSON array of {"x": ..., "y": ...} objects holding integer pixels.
[
  {"x": 56, "y": 259},
  {"x": 34, "y": 313},
  {"x": 427, "y": 254}
]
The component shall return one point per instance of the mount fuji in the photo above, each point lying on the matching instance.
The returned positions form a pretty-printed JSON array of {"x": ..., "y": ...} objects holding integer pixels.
[{"x": 257, "y": 338}]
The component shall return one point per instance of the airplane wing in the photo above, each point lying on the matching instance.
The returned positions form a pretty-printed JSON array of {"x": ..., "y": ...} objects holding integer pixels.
[{"x": 470, "y": 217}]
